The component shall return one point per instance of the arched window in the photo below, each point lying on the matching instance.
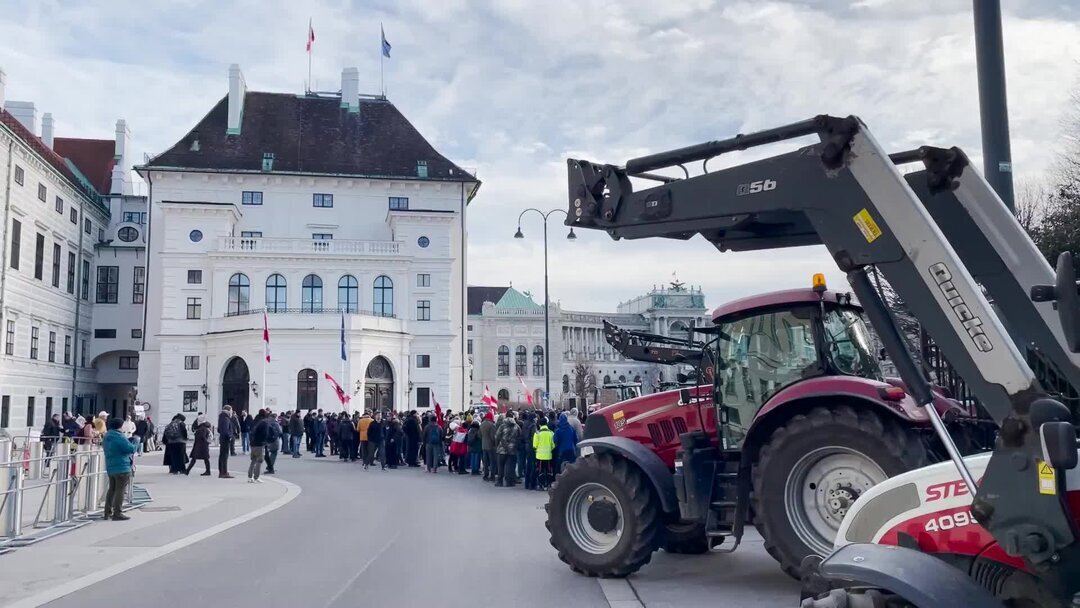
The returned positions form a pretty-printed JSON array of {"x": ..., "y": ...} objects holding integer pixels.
[
  {"x": 538, "y": 361},
  {"x": 607, "y": 379},
  {"x": 307, "y": 390},
  {"x": 504, "y": 395},
  {"x": 521, "y": 361},
  {"x": 504, "y": 360},
  {"x": 384, "y": 296},
  {"x": 348, "y": 294},
  {"x": 622, "y": 378},
  {"x": 239, "y": 294},
  {"x": 276, "y": 298},
  {"x": 312, "y": 294},
  {"x": 565, "y": 383},
  {"x": 637, "y": 378}
]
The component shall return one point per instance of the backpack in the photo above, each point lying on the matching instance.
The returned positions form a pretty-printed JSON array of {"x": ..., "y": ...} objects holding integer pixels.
[
  {"x": 171, "y": 433},
  {"x": 273, "y": 430}
]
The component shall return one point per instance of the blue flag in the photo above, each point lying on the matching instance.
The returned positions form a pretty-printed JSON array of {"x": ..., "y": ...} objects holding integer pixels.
[
  {"x": 344, "y": 357},
  {"x": 385, "y": 44}
]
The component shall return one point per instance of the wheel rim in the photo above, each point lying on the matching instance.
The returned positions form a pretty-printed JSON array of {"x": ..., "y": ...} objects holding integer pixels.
[
  {"x": 820, "y": 489},
  {"x": 582, "y": 532}
]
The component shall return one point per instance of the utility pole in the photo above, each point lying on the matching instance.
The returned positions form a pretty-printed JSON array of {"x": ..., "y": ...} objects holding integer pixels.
[{"x": 993, "y": 109}]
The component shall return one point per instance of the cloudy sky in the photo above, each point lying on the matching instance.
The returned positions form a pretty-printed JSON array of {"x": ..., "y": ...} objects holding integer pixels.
[{"x": 513, "y": 87}]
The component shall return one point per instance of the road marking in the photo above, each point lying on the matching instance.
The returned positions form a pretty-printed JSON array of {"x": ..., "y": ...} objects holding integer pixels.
[
  {"x": 291, "y": 492},
  {"x": 363, "y": 569},
  {"x": 619, "y": 593}
]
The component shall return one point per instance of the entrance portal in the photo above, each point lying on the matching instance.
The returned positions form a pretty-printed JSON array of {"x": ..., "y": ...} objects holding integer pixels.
[
  {"x": 379, "y": 385},
  {"x": 235, "y": 385}
]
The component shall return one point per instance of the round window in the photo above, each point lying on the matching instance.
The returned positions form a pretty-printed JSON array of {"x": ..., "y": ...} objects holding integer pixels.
[
  {"x": 423, "y": 241},
  {"x": 195, "y": 236},
  {"x": 127, "y": 234}
]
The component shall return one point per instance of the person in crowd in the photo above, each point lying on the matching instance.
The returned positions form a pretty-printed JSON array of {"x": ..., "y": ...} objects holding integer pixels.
[
  {"x": 87, "y": 434},
  {"x": 175, "y": 439},
  {"x": 526, "y": 452},
  {"x": 69, "y": 426},
  {"x": 200, "y": 450},
  {"x": 346, "y": 435},
  {"x": 142, "y": 434},
  {"x": 544, "y": 447},
  {"x": 411, "y": 429},
  {"x": 286, "y": 436},
  {"x": 128, "y": 428},
  {"x": 565, "y": 442},
  {"x": 50, "y": 434},
  {"x": 150, "y": 441},
  {"x": 575, "y": 423},
  {"x": 487, "y": 446},
  {"x": 394, "y": 436},
  {"x": 260, "y": 431},
  {"x": 459, "y": 450},
  {"x": 506, "y": 443},
  {"x": 433, "y": 442},
  {"x": 245, "y": 432},
  {"x": 318, "y": 426},
  {"x": 273, "y": 442},
  {"x": 225, "y": 434},
  {"x": 476, "y": 447},
  {"x": 376, "y": 448},
  {"x": 296, "y": 433},
  {"x": 363, "y": 429},
  {"x": 201, "y": 418},
  {"x": 309, "y": 431},
  {"x": 332, "y": 432},
  {"x": 234, "y": 422},
  {"x": 118, "y": 452},
  {"x": 99, "y": 423}
]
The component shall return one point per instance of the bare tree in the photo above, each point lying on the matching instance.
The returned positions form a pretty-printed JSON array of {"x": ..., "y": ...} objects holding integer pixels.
[
  {"x": 1032, "y": 197},
  {"x": 584, "y": 379}
]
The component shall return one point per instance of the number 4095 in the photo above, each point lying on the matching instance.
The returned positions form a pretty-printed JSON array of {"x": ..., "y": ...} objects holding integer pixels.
[{"x": 948, "y": 522}]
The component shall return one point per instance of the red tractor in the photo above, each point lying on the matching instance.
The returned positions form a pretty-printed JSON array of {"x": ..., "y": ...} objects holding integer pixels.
[{"x": 807, "y": 424}]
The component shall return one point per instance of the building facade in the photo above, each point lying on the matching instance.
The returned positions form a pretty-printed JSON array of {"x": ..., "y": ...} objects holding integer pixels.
[
  {"x": 505, "y": 343},
  {"x": 71, "y": 268},
  {"x": 329, "y": 220}
]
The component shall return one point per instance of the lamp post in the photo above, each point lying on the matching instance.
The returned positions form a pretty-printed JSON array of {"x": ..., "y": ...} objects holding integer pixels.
[{"x": 547, "y": 324}]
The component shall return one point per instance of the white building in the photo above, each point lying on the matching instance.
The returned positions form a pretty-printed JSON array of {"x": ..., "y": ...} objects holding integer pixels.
[
  {"x": 506, "y": 341},
  {"x": 71, "y": 270},
  {"x": 319, "y": 210}
]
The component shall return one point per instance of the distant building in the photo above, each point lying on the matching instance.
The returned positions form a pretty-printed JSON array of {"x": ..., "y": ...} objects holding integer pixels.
[
  {"x": 317, "y": 211},
  {"x": 73, "y": 276},
  {"x": 506, "y": 341}
]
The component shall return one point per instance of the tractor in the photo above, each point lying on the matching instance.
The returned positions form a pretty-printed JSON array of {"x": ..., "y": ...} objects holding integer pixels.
[
  {"x": 807, "y": 421},
  {"x": 996, "y": 529}
]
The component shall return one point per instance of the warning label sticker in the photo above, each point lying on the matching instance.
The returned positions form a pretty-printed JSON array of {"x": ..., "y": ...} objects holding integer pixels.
[
  {"x": 1047, "y": 479},
  {"x": 867, "y": 226}
]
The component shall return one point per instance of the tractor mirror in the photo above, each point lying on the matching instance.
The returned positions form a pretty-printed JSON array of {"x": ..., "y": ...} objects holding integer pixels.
[
  {"x": 1059, "y": 444},
  {"x": 684, "y": 396}
]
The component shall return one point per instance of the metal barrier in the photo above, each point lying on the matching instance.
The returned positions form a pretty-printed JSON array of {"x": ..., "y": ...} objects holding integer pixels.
[{"x": 69, "y": 486}]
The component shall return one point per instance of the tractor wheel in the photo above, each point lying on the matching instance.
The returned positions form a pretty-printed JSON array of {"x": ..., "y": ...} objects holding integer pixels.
[
  {"x": 604, "y": 516},
  {"x": 812, "y": 469},
  {"x": 687, "y": 538}
]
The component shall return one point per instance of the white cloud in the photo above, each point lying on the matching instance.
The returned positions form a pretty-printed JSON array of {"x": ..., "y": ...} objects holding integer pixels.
[{"x": 512, "y": 88}]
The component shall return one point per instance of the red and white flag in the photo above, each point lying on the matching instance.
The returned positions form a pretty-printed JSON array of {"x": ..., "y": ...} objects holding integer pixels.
[
  {"x": 266, "y": 338},
  {"x": 488, "y": 400},
  {"x": 342, "y": 396},
  {"x": 310, "y": 35},
  {"x": 528, "y": 395}
]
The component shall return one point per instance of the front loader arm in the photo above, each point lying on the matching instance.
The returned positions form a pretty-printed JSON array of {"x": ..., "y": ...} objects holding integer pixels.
[{"x": 846, "y": 194}]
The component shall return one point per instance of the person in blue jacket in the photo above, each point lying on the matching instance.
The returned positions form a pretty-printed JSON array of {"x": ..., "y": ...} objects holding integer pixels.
[
  {"x": 118, "y": 464},
  {"x": 565, "y": 443}
]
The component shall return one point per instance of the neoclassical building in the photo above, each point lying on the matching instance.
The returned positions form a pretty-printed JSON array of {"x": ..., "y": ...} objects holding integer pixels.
[
  {"x": 506, "y": 341},
  {"x": 328, "y": 215}
]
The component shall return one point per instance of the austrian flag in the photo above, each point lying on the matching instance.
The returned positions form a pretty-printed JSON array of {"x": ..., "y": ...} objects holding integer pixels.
[{"x": 310, "y": 35}]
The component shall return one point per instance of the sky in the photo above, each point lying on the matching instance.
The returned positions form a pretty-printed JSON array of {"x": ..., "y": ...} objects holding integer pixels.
[{"x": 511, "y": 88}]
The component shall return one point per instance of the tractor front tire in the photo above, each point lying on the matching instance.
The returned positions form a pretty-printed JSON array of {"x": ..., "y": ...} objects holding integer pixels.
[
  {"x": 813, "y": 467},
  {"x": 687, "y": 538},
  {"x": 604, "y": 516}
]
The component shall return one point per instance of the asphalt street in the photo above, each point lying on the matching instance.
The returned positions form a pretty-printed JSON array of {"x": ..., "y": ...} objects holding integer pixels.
[{"x": 406, "y": 538}]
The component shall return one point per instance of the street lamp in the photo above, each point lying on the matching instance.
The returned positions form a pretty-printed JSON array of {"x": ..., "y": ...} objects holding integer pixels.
[{"x": 547, "y": 324}]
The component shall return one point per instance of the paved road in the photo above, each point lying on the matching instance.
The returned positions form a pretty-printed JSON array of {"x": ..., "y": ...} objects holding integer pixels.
[{"x": 406, "y": 538}]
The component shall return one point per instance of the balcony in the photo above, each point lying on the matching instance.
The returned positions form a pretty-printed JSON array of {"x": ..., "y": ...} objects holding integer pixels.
[
  {"x": 301, "y": 247},
  {"x": 326, "y": 319}
]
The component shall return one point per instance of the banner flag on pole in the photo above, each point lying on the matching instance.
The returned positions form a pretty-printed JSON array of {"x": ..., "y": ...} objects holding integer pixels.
[
  {"x": 385, "y": 45},
  {"x": 528, "y": 395},
  {"x": 310, "y": 35},
  {"x": 266, "y": 338},
  {"x": 344, "y": 356},
  {"x": 342, "y": 396}
]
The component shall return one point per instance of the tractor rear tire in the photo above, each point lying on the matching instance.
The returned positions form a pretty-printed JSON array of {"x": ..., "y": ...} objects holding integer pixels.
[
  {"x": 839, "y": 432},
  {"x": 685, "y": 538},
  {"x": 631, "y": 496}
]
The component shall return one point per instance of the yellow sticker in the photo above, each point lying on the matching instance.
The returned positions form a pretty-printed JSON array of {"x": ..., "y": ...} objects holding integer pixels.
[
  {"x": 867, "y": 226},
  {"x": 618, "y": 414},
  {"x": 1047, "y": 480},
  {"x": 620, "y": 420}
]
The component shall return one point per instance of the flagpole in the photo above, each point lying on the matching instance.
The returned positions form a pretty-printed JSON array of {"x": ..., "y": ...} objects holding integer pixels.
[
  {"x": 344, "y": 380},
  {"x": 266, "y": 364},
  {"x": 382, "y": 58}
]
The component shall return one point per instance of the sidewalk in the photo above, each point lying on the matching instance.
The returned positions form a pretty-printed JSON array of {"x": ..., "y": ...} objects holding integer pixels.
[{"x": 184, "y": 510}]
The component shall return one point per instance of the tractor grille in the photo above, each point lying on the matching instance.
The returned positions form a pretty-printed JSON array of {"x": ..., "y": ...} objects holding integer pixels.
[
  {"x": 664, "y": 432},
  {"x": 654, "y": 433},
  {"x": 680, "y": 426},
  {"x": 991, "y": 575}
]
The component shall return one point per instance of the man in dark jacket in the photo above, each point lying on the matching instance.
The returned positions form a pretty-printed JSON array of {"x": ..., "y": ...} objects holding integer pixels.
[
  {"x": 273, "y": 442},
  {"x": 309, "y": 431},
  {"x": 318, "y": 426},
  {"x": 50, "y": 434},
  {"x": 245, "y": 431},
  {"x": 225, "y": 433},
  {"x": 526, "y": 452},
  {"x": 506, "y": 444},
  {"x": 296, "y": 431},
  {"x": 412, "y": 439},
  {"x": 375, "y": 447},
  {"x": 487, "y": 445},
  {"x": 142, "y": 433},
  {"x": 70, "y": 425},
  {"x": 432, "y": 436},
  {"x": 260, "y": 433}
]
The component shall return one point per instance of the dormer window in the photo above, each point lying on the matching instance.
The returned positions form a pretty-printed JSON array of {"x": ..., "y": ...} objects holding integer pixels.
[
  {"x": 421, "y": 168},
  {"x": 268, "y": 161}
]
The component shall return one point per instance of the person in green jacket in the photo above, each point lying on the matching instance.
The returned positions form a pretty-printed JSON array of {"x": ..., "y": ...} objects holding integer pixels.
[
  {"x": 118, "y": 451},
  {"x": 544, "y": 444}
]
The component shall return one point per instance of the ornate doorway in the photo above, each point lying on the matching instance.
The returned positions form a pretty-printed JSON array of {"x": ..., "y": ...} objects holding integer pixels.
[
  {"x": 307, "y": 390},
  {"x": 379, "y": 385},
  {"x": 235, "y": 385}
]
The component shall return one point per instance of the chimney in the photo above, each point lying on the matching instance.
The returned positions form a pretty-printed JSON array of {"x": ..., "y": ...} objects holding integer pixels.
[
  {"x": 237, "y": 88},
  {"x": 47, "y": 129},
  {"x": 24, "y": 112},
  {"x": 350, "y": 89},
  {"x": 122, "y": 152},
  {"x": 3, "y": 79}
]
